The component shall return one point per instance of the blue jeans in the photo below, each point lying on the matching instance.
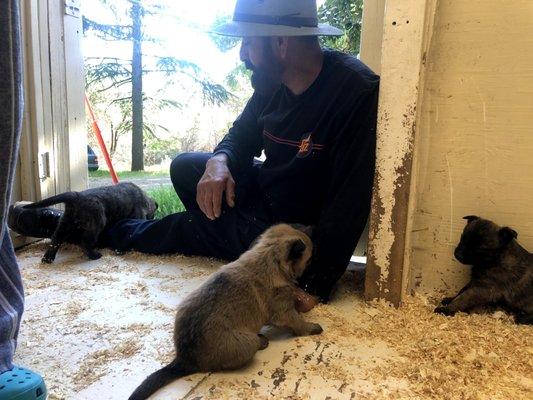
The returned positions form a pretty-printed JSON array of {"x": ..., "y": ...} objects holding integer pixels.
[{"x": 191, "y": 232}]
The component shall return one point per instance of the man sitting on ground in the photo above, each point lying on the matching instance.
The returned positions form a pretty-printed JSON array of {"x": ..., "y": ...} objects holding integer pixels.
[{"x": 313, "y": 113}]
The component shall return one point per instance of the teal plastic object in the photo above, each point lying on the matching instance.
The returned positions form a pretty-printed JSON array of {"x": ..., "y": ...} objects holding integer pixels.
[{"x": 22, "y": 384}]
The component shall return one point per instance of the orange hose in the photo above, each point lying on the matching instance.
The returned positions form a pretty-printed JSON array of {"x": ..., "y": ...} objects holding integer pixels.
[{"x": 98, "y": 134}]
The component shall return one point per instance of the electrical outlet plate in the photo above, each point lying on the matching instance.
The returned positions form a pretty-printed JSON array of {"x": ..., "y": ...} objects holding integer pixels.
[{"x": 44, "y": 166}]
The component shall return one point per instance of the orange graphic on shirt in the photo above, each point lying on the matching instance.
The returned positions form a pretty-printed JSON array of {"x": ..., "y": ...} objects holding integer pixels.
[{"x": 305, "y": 145}]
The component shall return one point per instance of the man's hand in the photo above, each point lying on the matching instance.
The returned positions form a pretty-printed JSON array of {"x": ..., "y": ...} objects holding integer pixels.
[
  {"x": 215, "y": 181},
  {"x": 304, "y": 301}
]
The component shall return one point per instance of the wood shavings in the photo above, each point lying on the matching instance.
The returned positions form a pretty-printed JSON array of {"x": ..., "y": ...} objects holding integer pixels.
[
  {"x": 139, "y": 288},
  {"x": 56, "y": 393},
  {"x": 170, "y": 286},
  {"x": 95, "y": 365},
  {"x": 75, "y": 308},
  {"x": 464, "y": 357},
  {"x": 139, "y": 329},
  {"x": 165, "y": 352},
  {"x": 155, "y": 273},
  {"x": 229, "y": 389},
  {"x": 83, "y": 318},
  {"x": 165, "y": 309}
]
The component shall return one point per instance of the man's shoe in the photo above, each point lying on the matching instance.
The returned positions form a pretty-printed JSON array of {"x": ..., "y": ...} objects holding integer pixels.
[
  {"x": 34, "y": 222},
  {"x": 22, "y": 384}
]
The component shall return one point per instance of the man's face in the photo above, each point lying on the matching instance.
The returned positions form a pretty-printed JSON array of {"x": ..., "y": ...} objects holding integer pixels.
[{"x": 258, "y": 56}]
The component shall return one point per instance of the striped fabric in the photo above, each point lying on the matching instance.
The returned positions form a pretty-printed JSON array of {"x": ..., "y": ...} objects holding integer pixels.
[{"x": 11, "y": 104}]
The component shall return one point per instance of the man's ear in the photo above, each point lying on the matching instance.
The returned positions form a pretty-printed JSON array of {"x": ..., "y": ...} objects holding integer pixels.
[
  {"x": 470, "y": 218},
  {"x": 280, "y": 45},
  {"x": 295, "y": 250},
  {"x": 506, "y": 235}
]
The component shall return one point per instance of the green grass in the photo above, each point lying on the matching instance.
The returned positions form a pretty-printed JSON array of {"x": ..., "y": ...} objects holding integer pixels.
[
  {"x": 127, "y": 174},
  {"x": 167, "y": 199}
]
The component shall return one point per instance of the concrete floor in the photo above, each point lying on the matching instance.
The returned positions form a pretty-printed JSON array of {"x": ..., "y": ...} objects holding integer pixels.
[{"x": 96, "y": 329}]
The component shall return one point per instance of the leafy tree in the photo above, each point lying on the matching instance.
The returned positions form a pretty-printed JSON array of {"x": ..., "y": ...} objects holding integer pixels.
[
  {"x": 346, "y": 15},
  {"x": 118, "y": 83},
  {"x": 224, "y": 43}
]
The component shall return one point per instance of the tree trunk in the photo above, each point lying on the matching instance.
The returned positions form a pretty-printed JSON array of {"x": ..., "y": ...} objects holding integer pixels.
[
  {"x": 113, "y": 141},
  {"x": 137, "y": 156}
]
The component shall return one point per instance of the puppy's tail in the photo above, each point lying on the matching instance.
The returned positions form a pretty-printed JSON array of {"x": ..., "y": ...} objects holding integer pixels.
[
  {"x": 67, "y": 197},
  {"x": 160, "y": 378}
]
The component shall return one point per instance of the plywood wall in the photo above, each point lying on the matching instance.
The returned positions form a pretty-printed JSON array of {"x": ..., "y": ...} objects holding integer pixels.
[
  {"x": 53, "y": 145},
  {"x": 474, "y": 143}
]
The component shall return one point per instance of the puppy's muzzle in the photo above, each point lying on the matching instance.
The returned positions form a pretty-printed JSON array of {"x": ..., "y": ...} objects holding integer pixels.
[{"x": 459, "y": 254}]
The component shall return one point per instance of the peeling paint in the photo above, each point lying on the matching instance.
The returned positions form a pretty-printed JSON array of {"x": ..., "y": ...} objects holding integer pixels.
[
  {"x": 279, "y": 376},
  {"x": 392, "y": 177},
  {"x": 402, "y": 62}
]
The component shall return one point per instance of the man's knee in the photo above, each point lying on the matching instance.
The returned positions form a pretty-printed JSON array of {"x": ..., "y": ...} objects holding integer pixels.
[
  {"x": 181, "y": 165},
  {"x": 187, "y": 167}
]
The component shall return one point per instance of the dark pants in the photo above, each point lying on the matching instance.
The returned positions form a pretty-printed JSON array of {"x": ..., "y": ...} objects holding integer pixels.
[{"x": 191, "y": 232}]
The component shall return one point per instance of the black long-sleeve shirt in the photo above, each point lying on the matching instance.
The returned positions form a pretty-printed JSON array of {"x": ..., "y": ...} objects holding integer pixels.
[{"x": 320, "y": 155}]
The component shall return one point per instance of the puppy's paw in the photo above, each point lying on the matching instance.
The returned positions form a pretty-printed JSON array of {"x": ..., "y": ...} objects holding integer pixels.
[
  {"x": 524, "y": 319},
  {"x": 94, "y": 255},
  {"x": 447, "y": 300},
  {"x": 315, "y": 329},
  {"x": 444, "y": 310},
  {"x": 264, "y": 341},
  {"x": 49, "y": 256}
]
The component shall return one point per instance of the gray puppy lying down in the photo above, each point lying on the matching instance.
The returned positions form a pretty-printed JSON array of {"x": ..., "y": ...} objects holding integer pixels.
[
  {"x": 502, "y": 271},
  {"x": 217, "y": 325}
]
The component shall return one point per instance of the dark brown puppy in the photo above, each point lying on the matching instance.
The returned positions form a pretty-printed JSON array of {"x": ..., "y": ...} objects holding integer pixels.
[
  {"x": 502, "y": 271},
  {"x": 217, "y": 325},
  {"x": 88, "y": 212}
]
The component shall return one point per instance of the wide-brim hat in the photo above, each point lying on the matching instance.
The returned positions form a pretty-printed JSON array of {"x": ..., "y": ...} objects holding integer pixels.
[{"x": 276, "y": 18}]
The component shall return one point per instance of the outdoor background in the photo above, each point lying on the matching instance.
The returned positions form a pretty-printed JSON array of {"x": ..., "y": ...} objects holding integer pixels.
[{"x": 161, "y": 84}]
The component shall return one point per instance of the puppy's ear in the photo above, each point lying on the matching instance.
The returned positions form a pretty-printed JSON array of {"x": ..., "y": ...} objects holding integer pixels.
[
  {"x": 506, "y": 235},
  {"x": 296, "y": 250},
  {"x": 470, "y": 218},
  {"x": 307, "y": 229}
]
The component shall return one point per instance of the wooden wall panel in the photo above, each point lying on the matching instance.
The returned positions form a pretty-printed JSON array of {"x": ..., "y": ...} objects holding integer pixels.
[{"x": 474, "y": 148}]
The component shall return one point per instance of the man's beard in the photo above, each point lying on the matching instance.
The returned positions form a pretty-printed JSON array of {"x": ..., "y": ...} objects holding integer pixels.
[{"x": 262, "y": 82}]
